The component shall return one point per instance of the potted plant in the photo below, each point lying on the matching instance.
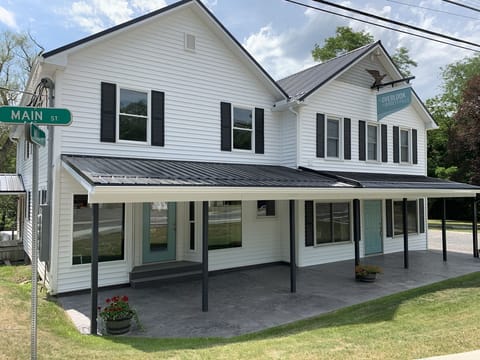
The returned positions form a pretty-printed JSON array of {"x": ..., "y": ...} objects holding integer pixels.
[
  {"x": 117, "y": 315},
  {"x": 368, "y": 273}
]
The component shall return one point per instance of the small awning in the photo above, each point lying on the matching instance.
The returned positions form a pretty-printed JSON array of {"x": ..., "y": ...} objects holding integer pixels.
[
  {"x": 11, "y": 184},
  {"x": 129, "y": 180}
]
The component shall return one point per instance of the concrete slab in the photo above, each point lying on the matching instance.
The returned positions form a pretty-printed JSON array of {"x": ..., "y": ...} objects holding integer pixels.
[{"x": 246, "y": 301}]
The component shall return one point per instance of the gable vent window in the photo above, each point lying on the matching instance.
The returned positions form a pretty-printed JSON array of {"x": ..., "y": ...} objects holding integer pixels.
[{"x": 190, "y": 42}]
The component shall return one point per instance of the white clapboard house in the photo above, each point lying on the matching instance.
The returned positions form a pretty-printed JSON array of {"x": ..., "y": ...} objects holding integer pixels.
[{"x": 197, "y": 160}]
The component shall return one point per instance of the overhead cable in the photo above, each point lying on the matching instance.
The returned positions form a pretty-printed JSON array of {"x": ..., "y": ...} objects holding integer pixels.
[
  {"x": 462, "y": 5},
  {"x": 432, "y": 9}
]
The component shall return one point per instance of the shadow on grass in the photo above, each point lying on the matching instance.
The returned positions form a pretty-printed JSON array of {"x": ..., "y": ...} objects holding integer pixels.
[{"x": 378, "y": 310}]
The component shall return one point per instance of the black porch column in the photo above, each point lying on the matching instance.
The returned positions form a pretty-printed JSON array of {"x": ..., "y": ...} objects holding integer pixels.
[
  {"x": 293, "y": 273},
  {"x": 205, "y": 257},
  {"x": 94, "y": 273},
  {"x": 405, "y": 233},
  {"x": 356, "y": 229},
  {"x": 444, "y": 228},
  {"x": 474, "y": 228}
]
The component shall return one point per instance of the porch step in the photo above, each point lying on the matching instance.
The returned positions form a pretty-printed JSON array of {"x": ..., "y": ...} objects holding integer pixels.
[{"x": 154, "y": 274}]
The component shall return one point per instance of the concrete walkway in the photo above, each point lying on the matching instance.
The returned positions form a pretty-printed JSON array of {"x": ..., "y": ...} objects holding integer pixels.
[{"x": 251, "y": 300}]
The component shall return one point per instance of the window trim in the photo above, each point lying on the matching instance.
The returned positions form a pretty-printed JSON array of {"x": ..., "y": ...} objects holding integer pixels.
[
  {"x": 233, "y": 128},
  {"x": 340, "y": 120},
  {"x": 378, "y": 143},
  {"x": 149, "y": 115},
  {"x": 417, "y": 215},
  {"x": 409, "y": 137},
  {"x": 350, "y": 216}
]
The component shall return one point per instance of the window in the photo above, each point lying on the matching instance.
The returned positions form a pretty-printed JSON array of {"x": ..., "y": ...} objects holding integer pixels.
[
  {"x": 412, "y": 216},
  {"x": 133, "y": 115},
  {"x": 110, "y": 228},
  {"x": 28, "y": 210},
  {"x": 224, "y": 224},
  {"x": 332, "y": 222},
  {"x": 265, "y": 208},
  {"x": 333, "y": 137},
  {"x": 191, "y": 221},
  {"x": 372, "y": 142},
  {"x": 404, "y": 146},
  {"x": 242, "y": 128}
]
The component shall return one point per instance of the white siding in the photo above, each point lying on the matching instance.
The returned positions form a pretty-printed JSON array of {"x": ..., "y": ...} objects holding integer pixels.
[
  {"x": 358, "y": 103},
  {"x": 359, "y": 76},
  {"x": 289, "y": 139},
  {"x": 153, "y": 57}
]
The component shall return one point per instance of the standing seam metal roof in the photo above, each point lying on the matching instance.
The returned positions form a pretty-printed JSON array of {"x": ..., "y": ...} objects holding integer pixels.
[{"x": 11, "y": 184}]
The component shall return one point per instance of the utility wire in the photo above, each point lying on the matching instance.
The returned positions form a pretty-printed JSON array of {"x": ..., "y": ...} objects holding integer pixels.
[
  {"x": 382, "y": 26},
  {"x": 462, "y": 5},
  {"x": 397, "y": 22},
  {"x": 431, "y": 9}
]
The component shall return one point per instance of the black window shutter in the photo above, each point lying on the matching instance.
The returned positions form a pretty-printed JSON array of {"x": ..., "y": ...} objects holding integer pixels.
[
  {"x": 158, "y": 118},
  {"x": 308, "y": 223},
  {"x": 347, "y": 139},
  {"x": 388, "y": 216},
  {"x": 384, "y": 143},
  {"x": 259, "y": 131},
  {"x": 361, "y": 141},
  {"x": 108, "y": 112},
  {"x": 421, "y": 215},
  {"x": 320, "y": 136},
  {"x": 226, "y": 126},
  {"x": 396, "y": 135},
  {"x": 414, "y": 146}
]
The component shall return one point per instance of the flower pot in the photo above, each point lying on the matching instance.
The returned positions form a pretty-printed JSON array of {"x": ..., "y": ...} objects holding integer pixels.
[
  {"x": 117, "y": 327},
  {"x": 366, "y": 277}
]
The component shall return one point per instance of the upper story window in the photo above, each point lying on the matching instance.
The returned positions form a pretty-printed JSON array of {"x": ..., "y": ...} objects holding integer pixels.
[
  {"x": 333, "y": 137},
  {"x": 372, "y": 142},
  {"x": 133, "y": 115},
  {"x": 404, "y": 146},
  {"x": 242, "y": 128}
]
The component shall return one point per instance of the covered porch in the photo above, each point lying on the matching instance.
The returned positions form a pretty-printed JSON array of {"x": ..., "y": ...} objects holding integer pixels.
[{"x": 249, "y": 300}]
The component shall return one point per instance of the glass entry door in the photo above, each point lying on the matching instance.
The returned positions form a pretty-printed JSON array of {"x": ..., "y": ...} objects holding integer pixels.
[{"x": 159, "y": 231}]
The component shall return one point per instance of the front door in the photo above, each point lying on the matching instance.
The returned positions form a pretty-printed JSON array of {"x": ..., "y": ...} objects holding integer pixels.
[
  {"x": 159, "y": 231},
  {"x": 372, "y": 225}
]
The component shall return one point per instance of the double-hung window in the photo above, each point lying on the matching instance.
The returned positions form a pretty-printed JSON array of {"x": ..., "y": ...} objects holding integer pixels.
[
  {"x": 333, "y": 137},
  {"x": 372, "y": 142},
  {"x": 412, "y": 217},
  {"x": 133, "y": 115},
  {"x": 332, "y": 222},
  {"x": 224, "y": 224},
  {"x": 404, "y": 146},
  {"x": 242, "y": 128}
]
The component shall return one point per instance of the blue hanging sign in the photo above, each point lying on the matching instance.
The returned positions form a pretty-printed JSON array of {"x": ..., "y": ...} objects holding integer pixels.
[{"x": 393, "y": 101}]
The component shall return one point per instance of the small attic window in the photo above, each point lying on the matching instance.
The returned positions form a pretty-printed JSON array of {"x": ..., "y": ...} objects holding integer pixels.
[{"x": 190, "y": 42}]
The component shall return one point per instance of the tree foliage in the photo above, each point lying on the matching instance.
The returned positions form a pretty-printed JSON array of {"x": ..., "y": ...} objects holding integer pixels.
[{"x": 402, "y": 60}]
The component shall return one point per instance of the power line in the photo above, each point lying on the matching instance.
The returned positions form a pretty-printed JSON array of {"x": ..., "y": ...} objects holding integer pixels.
[
  {"x": 396, "y": 22},
  {"x": 436, "y": 10},
  {"x": 382, "y": 26},
  {"x": 462, "y": 5}
]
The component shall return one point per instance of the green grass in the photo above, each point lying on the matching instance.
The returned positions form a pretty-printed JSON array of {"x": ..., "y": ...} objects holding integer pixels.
[
  {"x": 437, "y": 319},
  {"x": 463, "y": 226}
]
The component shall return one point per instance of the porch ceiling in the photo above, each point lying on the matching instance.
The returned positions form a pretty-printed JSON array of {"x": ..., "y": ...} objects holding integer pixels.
[
  {"x": 11, "y": 184},
  {"x": 111, "y": 180}
]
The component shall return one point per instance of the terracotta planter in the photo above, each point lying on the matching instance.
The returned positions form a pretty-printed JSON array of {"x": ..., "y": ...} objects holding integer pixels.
[
  {"x": 366, "y": 278},
  {"x": 118, "y": 327}
]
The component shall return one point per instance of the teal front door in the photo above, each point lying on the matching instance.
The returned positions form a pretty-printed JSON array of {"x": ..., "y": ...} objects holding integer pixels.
[
  {"x": 372, "y": 225},
  {"x": 159, "y": 232}
]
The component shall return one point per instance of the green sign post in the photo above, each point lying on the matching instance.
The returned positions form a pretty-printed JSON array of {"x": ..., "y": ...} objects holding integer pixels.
[
  {"x": 39, "y": 116},
  {"x": 37, "y": 135},
  {"x": 393, "y": 101}
]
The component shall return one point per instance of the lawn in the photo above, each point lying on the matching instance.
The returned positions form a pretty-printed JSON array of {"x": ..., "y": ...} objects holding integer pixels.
[{"x": 436, "y": 319}]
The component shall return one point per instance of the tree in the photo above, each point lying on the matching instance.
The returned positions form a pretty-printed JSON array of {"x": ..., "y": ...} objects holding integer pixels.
[{"x": 346, "y": 40}]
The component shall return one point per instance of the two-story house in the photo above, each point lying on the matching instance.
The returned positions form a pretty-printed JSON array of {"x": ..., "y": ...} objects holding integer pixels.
[{"x": 193, "y": 154}]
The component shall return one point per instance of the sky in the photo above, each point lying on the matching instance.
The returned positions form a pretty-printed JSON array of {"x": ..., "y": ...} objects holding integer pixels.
[{"x": 279, "y": 34}]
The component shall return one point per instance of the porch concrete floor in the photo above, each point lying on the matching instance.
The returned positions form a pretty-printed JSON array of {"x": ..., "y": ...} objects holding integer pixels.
[{"x": 251, "y": 300}]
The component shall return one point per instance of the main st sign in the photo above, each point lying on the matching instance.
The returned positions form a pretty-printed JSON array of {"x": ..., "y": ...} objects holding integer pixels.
[{"x": 39, "y": 116}]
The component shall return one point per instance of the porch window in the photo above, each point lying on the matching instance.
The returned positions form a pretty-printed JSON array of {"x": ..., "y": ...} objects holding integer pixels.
[
  {"x": 412, "y": 216},
  {"x": 265, "y": 208},
  {"x": 224, "y": 224},
  {"x": 133, "y": 115},
  {"x": 332, "y": 222},
  {"x": 242, "y": 128},
  {"x": 110, "y": 229}
]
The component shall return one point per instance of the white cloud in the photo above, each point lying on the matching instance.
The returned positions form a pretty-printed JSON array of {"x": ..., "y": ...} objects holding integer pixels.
[
  {"x": 96, "y": 15},
  {"x": 8, "y": 18}
]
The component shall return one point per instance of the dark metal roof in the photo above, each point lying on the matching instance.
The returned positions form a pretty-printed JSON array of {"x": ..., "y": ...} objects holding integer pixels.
[
  {"x": 11, "y": 184},
  {"x": 148, "y": 172},
  {"x": 300, "y": 85},
  {"x": 396, "y": 181}
]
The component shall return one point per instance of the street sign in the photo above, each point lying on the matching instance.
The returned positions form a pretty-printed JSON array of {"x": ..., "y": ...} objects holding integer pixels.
[
  {"x": 40, "y": 116},
  {"x": 37, "y": 135}
]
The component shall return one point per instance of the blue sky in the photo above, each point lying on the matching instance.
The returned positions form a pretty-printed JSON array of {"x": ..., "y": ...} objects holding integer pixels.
[{"x": 279, "y": 34}]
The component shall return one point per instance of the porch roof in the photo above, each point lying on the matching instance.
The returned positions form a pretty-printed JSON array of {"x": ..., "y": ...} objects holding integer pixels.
[
  {"x": 11, "y": 184},
  {"x": 112, "y": 179}
]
